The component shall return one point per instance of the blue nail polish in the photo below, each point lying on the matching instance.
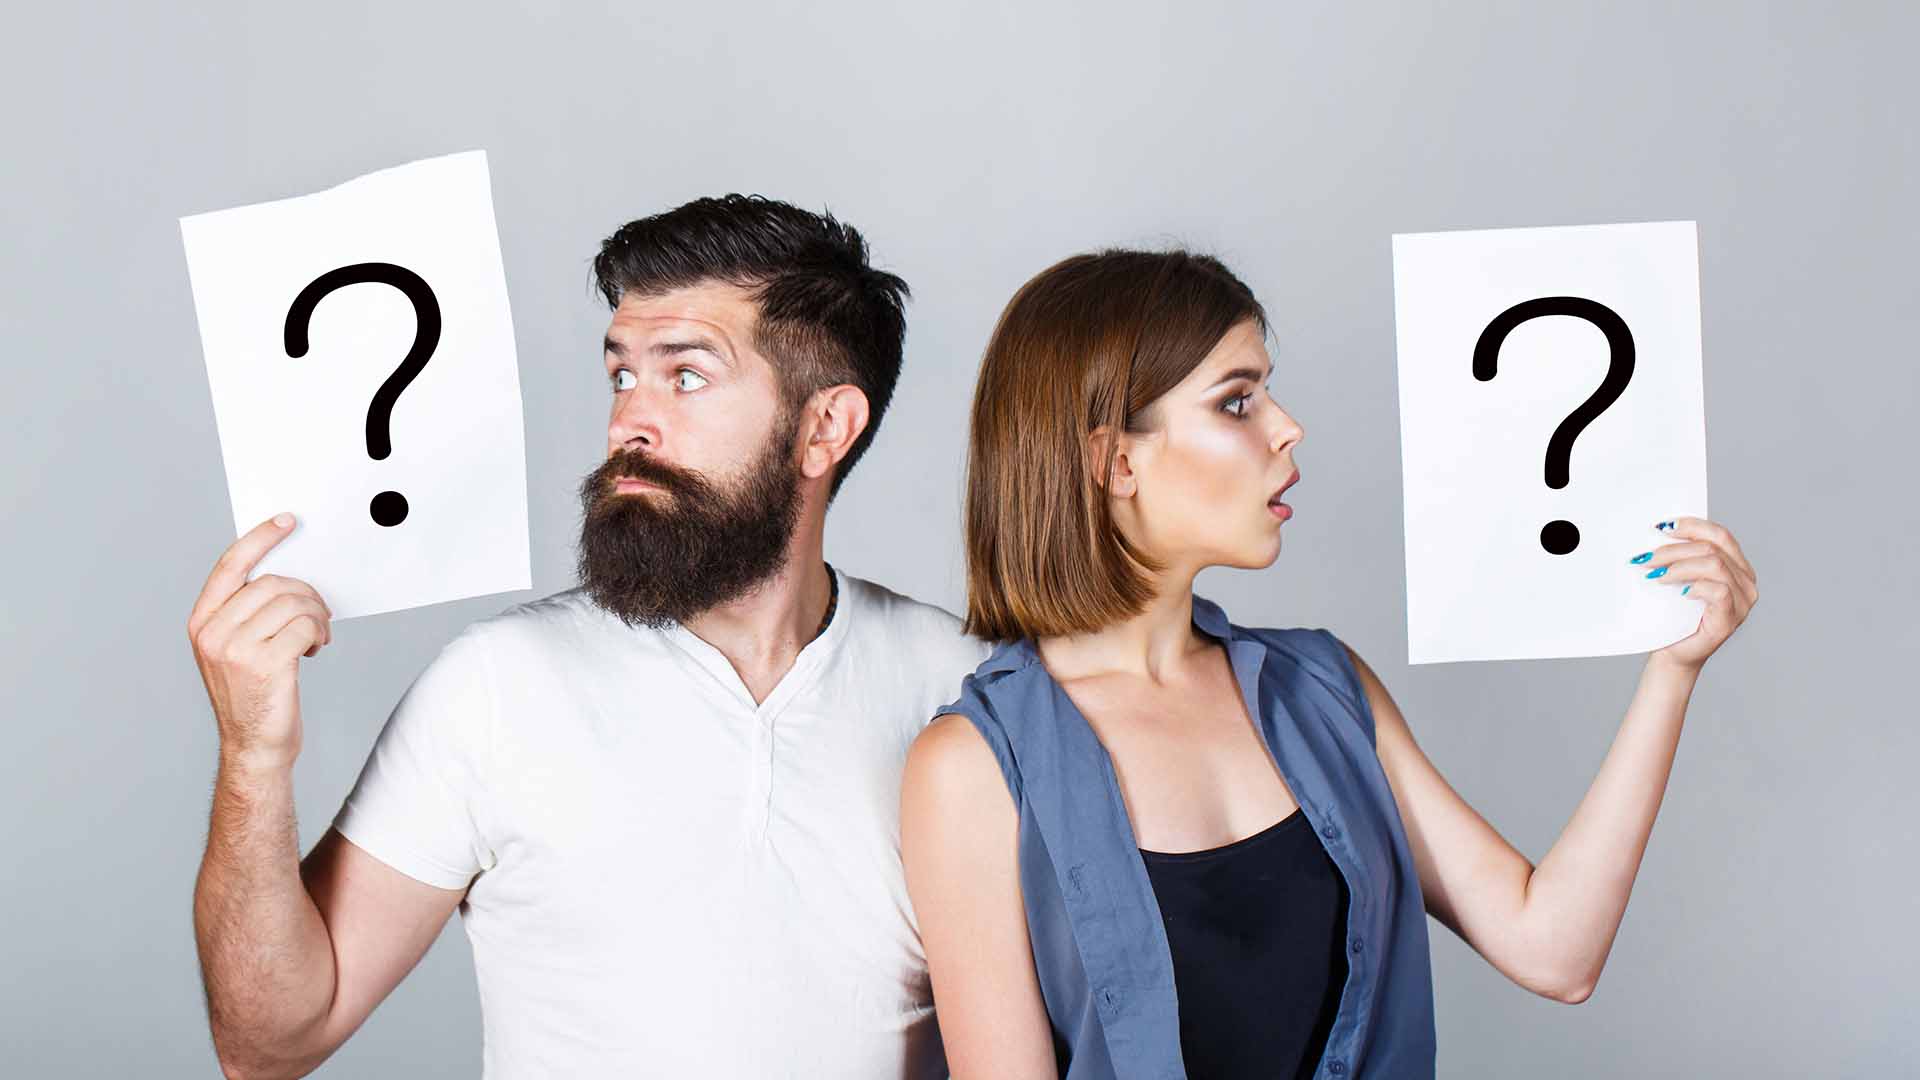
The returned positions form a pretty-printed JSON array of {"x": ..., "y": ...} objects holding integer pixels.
[
  {"x": 1657, "y": 573},
  {"x": 1683, "y": 591},
  {"x": 1664, "y": 526},
  {"x": 1642, "y": 557}
]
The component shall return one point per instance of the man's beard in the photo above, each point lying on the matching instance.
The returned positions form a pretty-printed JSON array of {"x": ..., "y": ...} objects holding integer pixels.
[{"x": 654, "y": 558}]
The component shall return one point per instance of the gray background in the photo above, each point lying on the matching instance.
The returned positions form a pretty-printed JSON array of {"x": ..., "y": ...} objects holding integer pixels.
[{"x": 1770, "y": 932}]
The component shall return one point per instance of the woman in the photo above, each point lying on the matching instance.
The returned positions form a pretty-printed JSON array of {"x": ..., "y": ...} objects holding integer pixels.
[{"x": 1147, "y": 842}]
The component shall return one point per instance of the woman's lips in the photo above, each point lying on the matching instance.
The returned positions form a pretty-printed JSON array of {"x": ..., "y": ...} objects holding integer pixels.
[{"x": 1279, "y": 509}]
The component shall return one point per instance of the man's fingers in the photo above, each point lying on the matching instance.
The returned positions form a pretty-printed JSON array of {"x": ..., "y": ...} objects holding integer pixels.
[
  {"x": 231, "y": 617},
  {"x": 231, "y": 569},
  {"x": 301, "y": 636},
  {"x": 298, "y": 619}
]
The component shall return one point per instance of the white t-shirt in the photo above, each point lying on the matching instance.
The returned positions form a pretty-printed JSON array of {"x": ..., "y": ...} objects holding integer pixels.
[{"x": 664, "y": 879}]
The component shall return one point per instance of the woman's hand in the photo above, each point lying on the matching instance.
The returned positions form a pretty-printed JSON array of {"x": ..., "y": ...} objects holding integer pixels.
[{"x": 1710, "y": 565}]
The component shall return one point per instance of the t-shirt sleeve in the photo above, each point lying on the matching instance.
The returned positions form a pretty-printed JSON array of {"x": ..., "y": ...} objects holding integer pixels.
[{"x": 414, "y": 804}]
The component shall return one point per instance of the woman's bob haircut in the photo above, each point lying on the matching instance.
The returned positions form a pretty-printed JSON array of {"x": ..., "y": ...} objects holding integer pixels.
[{"x": 1090, "y": 343}]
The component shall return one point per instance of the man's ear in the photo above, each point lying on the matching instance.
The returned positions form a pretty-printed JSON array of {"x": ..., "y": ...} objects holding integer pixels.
[
  {"x": 1120, "y": 480},
  {"x": 835, "y": 418}
]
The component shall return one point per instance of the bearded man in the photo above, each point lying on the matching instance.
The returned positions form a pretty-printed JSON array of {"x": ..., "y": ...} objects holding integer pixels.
[{"x": 665, "y": 802}]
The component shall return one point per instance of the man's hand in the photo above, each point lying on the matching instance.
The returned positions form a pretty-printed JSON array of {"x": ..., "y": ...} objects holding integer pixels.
[{"x": 248, "y": 638}]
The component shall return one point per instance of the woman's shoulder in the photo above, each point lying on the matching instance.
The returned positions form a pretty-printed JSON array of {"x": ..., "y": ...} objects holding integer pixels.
[
  {"x": 951, "y": 744},
  {"x": 1004, "y": 674},
  {"x": 957, "y": 762},
  {"x": 971, "y": 730}
]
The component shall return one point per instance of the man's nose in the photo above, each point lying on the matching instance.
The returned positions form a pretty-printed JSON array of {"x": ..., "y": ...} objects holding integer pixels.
[{"x": 636, "y": 422}]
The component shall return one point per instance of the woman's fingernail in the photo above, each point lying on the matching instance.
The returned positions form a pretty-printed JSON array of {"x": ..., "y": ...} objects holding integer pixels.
[
  {"x": 1657, "y": 572},
  {"x": 1683, "y": 591},
  {"x": 1664, "y": 526},
  {"x": 1642, "y": 557}
]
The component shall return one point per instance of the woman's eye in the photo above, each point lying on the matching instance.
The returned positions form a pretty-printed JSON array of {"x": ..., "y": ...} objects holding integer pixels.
[
  {"x": 1236, "y": 405},
  {"x": 623, "y": 380},
  {"x": 680, "y": 379}
]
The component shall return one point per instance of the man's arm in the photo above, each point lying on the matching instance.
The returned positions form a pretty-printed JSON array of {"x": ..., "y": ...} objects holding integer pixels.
[
  {"x": 294, "y": 958},
  {"x": 295, "y": 955}
]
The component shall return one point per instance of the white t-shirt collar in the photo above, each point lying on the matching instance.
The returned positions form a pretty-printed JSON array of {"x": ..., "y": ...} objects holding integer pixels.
[{"x": 806, "y": 665}]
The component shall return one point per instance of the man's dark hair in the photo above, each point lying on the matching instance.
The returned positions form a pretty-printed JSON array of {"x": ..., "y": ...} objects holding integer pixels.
[{"x": 826, "y": 317}]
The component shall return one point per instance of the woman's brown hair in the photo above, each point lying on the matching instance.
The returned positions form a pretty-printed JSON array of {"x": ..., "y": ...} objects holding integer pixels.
[{"x": 1090, "y": 343}]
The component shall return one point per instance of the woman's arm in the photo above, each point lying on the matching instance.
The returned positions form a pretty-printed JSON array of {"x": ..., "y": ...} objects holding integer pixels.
[
  {"x": 959, "y": 838},
  {"x": 1548, "y": 928}
]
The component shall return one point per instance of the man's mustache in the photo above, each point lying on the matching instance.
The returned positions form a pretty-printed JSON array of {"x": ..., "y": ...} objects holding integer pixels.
[{"x": 636, "y": 465}]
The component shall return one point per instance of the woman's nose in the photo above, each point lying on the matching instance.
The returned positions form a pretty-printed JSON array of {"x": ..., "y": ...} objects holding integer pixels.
[{"x": 1285, "y": 433}]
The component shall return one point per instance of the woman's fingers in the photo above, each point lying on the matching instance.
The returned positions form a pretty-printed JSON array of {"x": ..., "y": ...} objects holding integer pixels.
[
  {"x": 1701, "y": 529},
  {"x": 1694, "y": 573}
]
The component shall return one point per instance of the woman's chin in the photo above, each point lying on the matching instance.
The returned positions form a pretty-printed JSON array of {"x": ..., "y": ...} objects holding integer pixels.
[{"x": 1254, "y": 556}]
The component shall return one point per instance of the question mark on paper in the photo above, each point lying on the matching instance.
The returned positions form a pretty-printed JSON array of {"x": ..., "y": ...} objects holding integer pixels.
[
  {"x": 1560, "y": 537},
  {"x": 388, "y": 508}
]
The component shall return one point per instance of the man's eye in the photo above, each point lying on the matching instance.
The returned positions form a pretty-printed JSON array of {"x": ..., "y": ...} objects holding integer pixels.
[
  {"x": 623, "y": 380},
  {"x": 680, "y": 380}
]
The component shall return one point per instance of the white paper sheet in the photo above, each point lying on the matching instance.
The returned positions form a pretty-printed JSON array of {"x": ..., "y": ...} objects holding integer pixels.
[
  {"x": 1480, "y": 583},
  {"x": 294, "y": 430}
]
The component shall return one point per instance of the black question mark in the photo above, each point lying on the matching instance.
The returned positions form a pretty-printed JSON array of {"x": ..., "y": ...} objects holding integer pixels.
[
  {"x": 1560, "y": 537},
  {"x": 388, "y": 508}
]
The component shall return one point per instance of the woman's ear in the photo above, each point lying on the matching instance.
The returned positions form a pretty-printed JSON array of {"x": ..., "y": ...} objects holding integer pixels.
[{"x": 1107, "y": 459}]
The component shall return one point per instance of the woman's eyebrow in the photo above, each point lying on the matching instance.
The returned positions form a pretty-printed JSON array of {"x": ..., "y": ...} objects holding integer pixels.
[{"x": 1247, "y": 373}]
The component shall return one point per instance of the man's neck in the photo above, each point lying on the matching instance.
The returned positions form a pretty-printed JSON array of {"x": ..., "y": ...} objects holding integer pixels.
[{"x": 763, "y": 632}]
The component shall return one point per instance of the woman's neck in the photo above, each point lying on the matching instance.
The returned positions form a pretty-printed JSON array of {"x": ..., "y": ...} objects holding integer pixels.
[{"x": 1155, "y": 644}]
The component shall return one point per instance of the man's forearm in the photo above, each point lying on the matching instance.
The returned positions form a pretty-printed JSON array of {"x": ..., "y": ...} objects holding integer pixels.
[{"x": 265, "y": 954}]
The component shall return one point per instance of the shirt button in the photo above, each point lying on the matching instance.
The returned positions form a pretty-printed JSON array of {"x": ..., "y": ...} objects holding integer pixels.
[
  {"x": 1330, "y": 830},
  {"x": 1337, "y": 1067},
  {"x": 1357, "y": 944}
]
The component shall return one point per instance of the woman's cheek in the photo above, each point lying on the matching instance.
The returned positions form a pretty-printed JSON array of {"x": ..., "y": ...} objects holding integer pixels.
[{"x": 1229, "y": 458}]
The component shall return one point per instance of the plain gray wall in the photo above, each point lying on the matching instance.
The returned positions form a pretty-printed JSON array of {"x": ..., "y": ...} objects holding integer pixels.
[{"x": 1771, "y": 928}]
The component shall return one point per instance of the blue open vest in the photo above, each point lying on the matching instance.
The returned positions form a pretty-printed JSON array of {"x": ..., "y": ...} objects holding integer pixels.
[{"x": 1099, "y": 945}]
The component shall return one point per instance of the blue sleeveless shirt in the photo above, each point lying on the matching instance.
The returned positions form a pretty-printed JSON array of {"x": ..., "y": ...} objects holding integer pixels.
[{"x": 1099, "y": 946}]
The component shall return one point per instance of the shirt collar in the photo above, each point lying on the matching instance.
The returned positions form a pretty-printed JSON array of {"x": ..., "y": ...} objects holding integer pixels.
[{"x": 1208, "y": 617}]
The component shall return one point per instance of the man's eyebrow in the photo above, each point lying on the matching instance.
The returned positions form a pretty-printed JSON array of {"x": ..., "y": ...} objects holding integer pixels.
[
  {"x": 1243, "y": 373},
  {"x": 696, "y": 343}
]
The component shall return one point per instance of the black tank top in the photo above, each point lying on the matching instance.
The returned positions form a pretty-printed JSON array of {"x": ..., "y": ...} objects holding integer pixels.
[{"x": 1257, "y": 930}]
